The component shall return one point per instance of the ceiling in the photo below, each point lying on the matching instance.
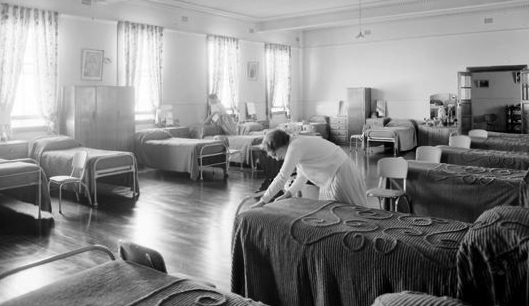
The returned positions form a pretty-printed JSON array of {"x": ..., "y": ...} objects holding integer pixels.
[{"x": 272, "y": 15}]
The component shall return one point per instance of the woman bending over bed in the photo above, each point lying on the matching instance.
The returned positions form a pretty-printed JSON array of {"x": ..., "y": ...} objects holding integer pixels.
[{"x": 315, "y": 159}]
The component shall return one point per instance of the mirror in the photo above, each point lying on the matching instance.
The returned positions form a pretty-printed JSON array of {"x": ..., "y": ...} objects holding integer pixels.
[{"x": 443, "y": 109}]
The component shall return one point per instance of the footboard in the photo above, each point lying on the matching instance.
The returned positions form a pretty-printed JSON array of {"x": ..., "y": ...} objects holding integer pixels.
[
  {"x": 209, "y": 160},
  {"x": 109, "y": 171}
]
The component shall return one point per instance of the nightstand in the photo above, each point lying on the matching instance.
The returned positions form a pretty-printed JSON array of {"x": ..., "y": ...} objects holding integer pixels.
[{"x": 13, "y": 149}]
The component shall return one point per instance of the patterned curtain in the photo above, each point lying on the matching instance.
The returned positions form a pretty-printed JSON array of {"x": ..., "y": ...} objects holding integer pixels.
[
  {"x": 140, "y": 54},
  {"x": 14, "y": 26},
  {"x": 46, "y": 55},
  {"x": 15, "y": 23},
  {"x": 278, "y": 78},
  {"x": 223, "y": 69}
]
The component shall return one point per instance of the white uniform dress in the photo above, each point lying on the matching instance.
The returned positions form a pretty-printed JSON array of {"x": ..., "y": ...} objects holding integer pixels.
[{"x": 324, "y": 164}]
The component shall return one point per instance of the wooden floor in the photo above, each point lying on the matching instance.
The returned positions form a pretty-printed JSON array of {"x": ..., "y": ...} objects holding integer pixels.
[{"x": 189, "y": 223}]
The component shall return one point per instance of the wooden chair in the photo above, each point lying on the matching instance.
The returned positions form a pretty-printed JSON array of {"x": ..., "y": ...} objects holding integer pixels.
[
  {"x": 478, "y": 133},
  {"x": 460, "y": 141},
  {"x": 390, "y": 168},
  {"x": 75, "y": 177},
  {"x": 429, "y": 154}
]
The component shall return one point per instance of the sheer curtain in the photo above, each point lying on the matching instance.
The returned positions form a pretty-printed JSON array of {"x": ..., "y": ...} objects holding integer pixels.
[
  {"x": 140, "y": 62},
  {"x": 223, "y": 69},
  {"x": 15, "y": 24},
  {"x": 278, "y": 78}
]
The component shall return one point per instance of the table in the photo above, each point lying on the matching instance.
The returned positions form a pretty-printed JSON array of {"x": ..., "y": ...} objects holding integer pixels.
[
  {"x": 485, "y": 158},
  {"x": 462, "y": 192},
  {"x": 307, "y": 252},
  {"x": 121, "y": 283}
]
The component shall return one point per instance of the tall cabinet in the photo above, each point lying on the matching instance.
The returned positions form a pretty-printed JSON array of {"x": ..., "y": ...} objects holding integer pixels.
[
  {"x": 352, "y": 117},
  {"x": 100, "y": 117}
]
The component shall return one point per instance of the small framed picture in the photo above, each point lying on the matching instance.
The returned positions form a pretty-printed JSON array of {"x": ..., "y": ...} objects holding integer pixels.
[
  {"x": 253, "y": 70},
  {"x": 92, "y": 65}
]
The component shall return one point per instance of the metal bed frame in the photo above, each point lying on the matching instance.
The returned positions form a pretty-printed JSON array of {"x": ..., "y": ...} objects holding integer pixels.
[
  {"x": 95, "y": 247},
  {"x": 201, "y": 157},
  {"x": 114, "y": 171},
  {"x": 38, "y": 183},
  {"x": 393, "y": 139}
]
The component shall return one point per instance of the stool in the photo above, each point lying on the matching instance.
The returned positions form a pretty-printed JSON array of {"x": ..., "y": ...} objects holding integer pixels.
[
  {"x": 232, "y": 152},
  {"x": 356, "y": 138}
]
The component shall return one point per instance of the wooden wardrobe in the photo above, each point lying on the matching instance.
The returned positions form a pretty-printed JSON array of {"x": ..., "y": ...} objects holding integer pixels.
[{"x": 100, "y": 117}]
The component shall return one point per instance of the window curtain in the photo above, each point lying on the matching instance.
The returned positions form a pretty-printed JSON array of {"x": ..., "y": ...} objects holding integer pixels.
[
  {"x": 278, "y": 78},
  {"x": 223, "y": 70},
  {"x": 141, "y": 45},
  {"x": 15, "y": 23}
]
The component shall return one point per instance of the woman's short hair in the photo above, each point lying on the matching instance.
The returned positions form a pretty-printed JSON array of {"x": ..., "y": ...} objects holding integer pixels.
[{"x": 275, "y": 139}]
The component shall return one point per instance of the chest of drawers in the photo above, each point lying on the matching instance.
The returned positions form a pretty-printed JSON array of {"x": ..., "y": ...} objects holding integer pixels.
[{"x": 339, "y": 130}]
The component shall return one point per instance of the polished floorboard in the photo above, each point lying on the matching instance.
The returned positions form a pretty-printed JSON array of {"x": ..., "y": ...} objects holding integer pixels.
[{"x": 188, "y": 222}]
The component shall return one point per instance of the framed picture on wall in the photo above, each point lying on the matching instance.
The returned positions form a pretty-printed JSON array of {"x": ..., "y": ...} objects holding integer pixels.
[
  {"x": 92, "y": 65},
  {"x": 253, "y": 70}
]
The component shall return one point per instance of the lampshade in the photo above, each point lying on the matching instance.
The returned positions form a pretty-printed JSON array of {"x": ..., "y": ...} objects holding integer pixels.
[{"x": 5, "y": 117}]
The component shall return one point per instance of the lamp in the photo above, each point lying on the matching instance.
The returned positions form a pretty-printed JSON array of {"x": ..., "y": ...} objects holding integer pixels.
[
  {"x": 360, "y": 34},
  {"x": 5, "y": 120}
]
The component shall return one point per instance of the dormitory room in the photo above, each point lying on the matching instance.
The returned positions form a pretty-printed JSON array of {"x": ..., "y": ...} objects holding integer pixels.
[{"x": 244, "y": 152}]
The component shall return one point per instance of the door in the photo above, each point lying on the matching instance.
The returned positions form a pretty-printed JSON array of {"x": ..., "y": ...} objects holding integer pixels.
[{"x": 464, "y": 105}]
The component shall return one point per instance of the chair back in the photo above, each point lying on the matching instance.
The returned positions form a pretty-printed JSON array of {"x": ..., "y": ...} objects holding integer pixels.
[
  {"x": 79, "y": 164},
  {"x": 460, "y": 141},
  {"x": 429, "y": 154},
  {"x": 478, "y": 133},
  {"x": 392, "y": 167}
]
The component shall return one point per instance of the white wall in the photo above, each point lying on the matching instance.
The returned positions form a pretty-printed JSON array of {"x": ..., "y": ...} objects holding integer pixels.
[{"x": 407, "y": 61}]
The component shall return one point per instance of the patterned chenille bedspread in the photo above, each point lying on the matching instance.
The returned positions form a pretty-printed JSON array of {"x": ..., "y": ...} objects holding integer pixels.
[
  {"x": 518, "y": 144},
  {"x": 485, "y": 158},
  {"x": 307, "y": 252}
]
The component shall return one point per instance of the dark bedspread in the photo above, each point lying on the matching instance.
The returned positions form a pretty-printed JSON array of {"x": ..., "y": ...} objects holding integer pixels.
[
  {"x": 120, "y": 283},
  {"x": 307, "y": 252},
  {"x": 463, "y": 192},
  {"x": 485, "y": 158},
  {"x": 519, "y": 144}
]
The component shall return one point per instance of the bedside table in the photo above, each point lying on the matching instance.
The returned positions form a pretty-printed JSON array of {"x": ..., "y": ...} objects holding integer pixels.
[{"x": 13, "y": 149}]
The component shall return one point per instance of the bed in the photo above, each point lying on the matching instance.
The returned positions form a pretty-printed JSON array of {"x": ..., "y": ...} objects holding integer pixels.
[
  {"x": 118, "y": 282},
  {"x": 249, "y": 135},
  {"x": 509, "y": 143},
  {"x": 308, "y": 252},
  {"x": 462, "y": 192},
  {"x": 24, "y": 180},
  {"x": 156, "y": 148},
  {"x": 401, "y": 132},
  {"x": 484, "y": 158},
  {"x": 55, "y": 153}
]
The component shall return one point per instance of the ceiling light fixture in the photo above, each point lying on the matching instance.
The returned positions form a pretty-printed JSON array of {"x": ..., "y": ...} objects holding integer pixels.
[{"x": 360, "y": 34}]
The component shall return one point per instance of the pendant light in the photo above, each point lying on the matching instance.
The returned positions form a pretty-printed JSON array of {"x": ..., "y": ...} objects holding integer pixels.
[{"x": 360, "y": 34}]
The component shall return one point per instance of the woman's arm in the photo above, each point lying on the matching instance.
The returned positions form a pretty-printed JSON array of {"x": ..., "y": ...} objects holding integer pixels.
[{"x": 292, "y": 157}]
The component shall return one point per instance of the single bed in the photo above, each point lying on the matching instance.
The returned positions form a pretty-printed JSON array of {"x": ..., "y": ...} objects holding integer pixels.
[
  {"x": 484, "y": 158},
  {"x": 401, "y": 132},
  {"x": 462, "y": 192},
  {"x": 307, "y": 252},
  {"x": 118, "y": 282},
  {"x": 24, "y": 180},
  {"x": 156, "y": 148},
  {"x": 55, "y": 153},
  {"x": 507, "y": 143}
]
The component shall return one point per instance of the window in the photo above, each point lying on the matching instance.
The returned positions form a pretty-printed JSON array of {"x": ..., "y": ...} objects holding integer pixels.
[
  {"x": 140, "y": 47},
  {"x": 26, "y": 108},
  {"x": 277, "y": 65},
  {"x": 223, "y": 70}
]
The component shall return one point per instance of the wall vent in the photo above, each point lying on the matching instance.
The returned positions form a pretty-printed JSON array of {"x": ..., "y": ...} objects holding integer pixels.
[
  {"x": 185, "y": 19},
  {"x": 488, "y": 20},
  {"x": 86, "y": 2}
]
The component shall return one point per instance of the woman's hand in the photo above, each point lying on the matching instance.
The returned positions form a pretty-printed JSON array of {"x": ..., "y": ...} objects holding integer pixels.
[
  {"x": 286, "y": 195},
  {"x": 261, "y": 203}
]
